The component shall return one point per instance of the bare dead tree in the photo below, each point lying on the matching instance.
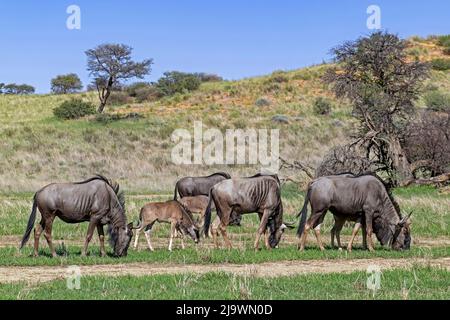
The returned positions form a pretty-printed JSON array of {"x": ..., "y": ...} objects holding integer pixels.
[
  {"x": 344, "y": 159},
  {"x": 427, "y": 144}
]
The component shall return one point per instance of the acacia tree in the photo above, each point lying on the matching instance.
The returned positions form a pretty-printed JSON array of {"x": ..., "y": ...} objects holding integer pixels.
[
  {"x": 67, "y": 83},
  {"x": 375, "y": 75},
  {"x": 109, "y": 64}
]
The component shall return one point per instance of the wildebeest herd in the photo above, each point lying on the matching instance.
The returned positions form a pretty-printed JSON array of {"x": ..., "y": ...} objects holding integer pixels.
[{"x": 363, "y": 199}]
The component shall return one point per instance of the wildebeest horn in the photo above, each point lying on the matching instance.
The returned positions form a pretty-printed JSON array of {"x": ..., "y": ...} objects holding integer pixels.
[{"x": 405, "y": 218}]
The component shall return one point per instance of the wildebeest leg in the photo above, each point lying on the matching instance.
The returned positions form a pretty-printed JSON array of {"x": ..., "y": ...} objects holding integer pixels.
[
  {"x": 317, "y": 225},
  {"x": 336, "y": 231},
  {"x": 223, "y": 231},
  {"x": 354, "y": 233},
  {"x": 173, "y": 231},
  {"x": 147, "y": 232},
  {"x": 262, "y": 227},
  {"x": 48, "y": 234},
  {"x": 37, "y": 234},
  {"x": 302, "y": 241},
  {"x": 364, "y": 234},
  {"x": 313, "y": 221},
  {"x": 368, "y": 215},
  {"x": 214, "y": 233},
  {"x": 90, "y": 233},
  {"x": 101, "y": 238},
  {"x": 182, "y": 241},
  {"x": 319, "y": 239},
  {"x": 136, "y": 239}
]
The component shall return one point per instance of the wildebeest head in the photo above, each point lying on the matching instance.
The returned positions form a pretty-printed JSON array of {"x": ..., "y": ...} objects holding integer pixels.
[
  {"x": 121, "y": 238},
  {"x": 277, "y": 228},
  {"x": 402, "y": 235},
  {"x": 187, "y": 226}
]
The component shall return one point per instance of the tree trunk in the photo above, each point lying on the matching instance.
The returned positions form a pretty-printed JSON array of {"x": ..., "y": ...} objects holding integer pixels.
[
  {"x": 105, "y": 95},
  {"x": 400, "y": 162}
]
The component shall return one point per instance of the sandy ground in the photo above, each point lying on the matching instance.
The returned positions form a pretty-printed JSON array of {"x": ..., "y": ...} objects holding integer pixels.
[{"x": 271, "y": 269}]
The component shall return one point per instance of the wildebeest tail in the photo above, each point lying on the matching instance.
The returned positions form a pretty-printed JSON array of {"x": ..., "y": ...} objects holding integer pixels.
[
  {"x": 175, "y": 193},
  {"x": 207, "y": 220},
  {"x": 303, "y": 213},
  {"x": 30, "y": 224}
]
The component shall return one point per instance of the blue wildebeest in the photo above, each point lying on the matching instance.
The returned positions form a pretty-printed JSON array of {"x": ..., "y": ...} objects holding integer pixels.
[
  {"x": 97, "y": 200},
  {"x": 259, "y": 194},
  {"x": 362, "y": 198},
  {"x": 195, "y": 186},
  {"x": 173, "y": 212}
]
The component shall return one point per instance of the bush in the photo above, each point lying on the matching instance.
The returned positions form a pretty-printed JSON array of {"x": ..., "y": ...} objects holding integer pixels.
[
  {"x": 262, "y": 102},
  {"x": 177, "y": 82},
  {"x": 440, "y": 64},
  {"x": 437, "y": 101},
  {"x": 74, "y": 109},
  {"x": 149, "y": 93},
  {"x": 118, "y": 98},
  {"x": 134, "y": 87},
  {"x": 322, "y": 106},
  {"x": 445, "y": 42}
]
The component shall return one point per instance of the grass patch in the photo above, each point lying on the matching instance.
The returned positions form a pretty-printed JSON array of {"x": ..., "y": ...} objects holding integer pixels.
[{"x": 414, "y": 283}]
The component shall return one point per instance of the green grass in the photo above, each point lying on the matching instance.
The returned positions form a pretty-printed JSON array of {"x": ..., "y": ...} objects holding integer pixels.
[
  {"x": 414, "y": 283},
  {"x": 204, "y": 255}
]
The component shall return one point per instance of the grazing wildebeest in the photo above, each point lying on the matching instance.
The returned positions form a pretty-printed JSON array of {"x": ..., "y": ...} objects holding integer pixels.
[
  {"x": 171, "y": 212},
  {"x": 259, "y": 194},
  {"x": 195, "y": 186},
  {"x": 97, "y": 200},
  {"x": 348, "y": 196}
]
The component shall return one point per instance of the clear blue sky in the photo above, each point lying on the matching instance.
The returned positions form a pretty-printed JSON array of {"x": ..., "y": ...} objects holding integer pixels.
[{"x": 233, "y": 38}]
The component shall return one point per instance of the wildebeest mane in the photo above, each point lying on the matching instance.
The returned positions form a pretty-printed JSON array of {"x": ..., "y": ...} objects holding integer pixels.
[{"x": 223, "y": 174}]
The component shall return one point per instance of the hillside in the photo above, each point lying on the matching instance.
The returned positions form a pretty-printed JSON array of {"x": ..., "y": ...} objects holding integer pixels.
[{"x": 37, "y": 149}]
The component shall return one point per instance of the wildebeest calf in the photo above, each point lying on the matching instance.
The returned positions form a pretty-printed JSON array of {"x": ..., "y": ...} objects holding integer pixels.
[{"x": 171, "y": 212}]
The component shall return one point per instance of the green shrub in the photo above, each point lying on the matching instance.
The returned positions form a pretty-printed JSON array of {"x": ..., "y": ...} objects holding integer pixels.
[
  {"x": 177, "y": 82},
  {"x": 118, "y": 98},
  {"x": 74, "y": 109},
  {"x": 437, "y": 101},
  {"x": 149, "y": 93},
  {"x": 133, "y": 88},
  {"x": 440, "y": 64},
  {"x": 445, "y": 42},
  {"x": 322, "y": 106},
  {"x": 262, "y": 102}
]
